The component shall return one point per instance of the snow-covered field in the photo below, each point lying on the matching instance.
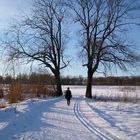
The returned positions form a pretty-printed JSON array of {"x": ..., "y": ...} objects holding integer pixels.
[{"x": 84, "y": 119}]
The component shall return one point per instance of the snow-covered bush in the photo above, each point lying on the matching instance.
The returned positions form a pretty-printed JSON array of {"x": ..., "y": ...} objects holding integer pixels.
[{"x": 2, "y": 104}]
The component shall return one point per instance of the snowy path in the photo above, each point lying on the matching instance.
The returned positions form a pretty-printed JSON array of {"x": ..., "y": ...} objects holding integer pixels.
[
  {"x": 52, "y": 119},
  {"x": 95, "y": 129},
  {"x": 102, "y": 124}
]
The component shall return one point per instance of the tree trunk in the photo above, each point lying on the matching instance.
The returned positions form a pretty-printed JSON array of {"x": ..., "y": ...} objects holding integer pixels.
[
  {"x": 89, "y": 84},
  {"x": 58, "y": 84}
]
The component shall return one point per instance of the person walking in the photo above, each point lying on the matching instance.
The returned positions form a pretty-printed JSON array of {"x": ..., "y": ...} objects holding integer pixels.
[{"x": 68, "y": 96}]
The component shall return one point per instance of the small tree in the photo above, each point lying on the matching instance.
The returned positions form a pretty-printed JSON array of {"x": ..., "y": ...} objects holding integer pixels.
[
  {"x": 15, "y": 92},
  {"x": 1, "y": 93},
  {"x": 103, "y": 25},
  {"x": 41, "y": 38}
]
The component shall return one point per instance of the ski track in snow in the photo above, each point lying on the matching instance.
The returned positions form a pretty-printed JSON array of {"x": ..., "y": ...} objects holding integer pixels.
[
  {"x": 102, "y": 123},
  {"x": 90, "y": 126},
  {"x": 105, "y": 120}
]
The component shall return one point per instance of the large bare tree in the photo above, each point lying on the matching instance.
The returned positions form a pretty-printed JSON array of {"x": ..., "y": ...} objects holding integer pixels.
[
  {"x": 103, "y": 28},
  {"x": 41, "y": 37}
]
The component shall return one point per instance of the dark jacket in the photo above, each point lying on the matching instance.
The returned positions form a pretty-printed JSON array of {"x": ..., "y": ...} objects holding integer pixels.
[{"x": 68, "y": 94}]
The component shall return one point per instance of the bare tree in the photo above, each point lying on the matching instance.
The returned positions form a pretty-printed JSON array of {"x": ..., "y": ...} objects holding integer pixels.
[
  {"x": 41, "y": 37},
  {"x": 103, "y": 25}
]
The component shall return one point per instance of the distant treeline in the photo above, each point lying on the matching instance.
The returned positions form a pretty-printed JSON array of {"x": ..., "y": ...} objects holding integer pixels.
[
  {"x": 102, "y": 81},
  {"x": 36, "y": 78},
  {"x": 132, "y": 81}
]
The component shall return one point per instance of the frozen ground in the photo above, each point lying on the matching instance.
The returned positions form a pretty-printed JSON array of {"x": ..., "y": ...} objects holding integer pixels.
[{"x": 84, "y": 119}]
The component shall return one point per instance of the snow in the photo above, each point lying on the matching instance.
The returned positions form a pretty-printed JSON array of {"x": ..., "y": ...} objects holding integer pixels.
[{"x": 84, "y": 119}]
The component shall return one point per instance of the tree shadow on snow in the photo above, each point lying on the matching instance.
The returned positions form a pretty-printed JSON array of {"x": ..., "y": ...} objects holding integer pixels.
[{"x": 32, "y": 120}]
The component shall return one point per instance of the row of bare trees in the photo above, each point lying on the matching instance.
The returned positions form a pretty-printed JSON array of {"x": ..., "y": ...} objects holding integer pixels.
[
  {"x": 102, "y": 25},
  {"x": 33, "y": 78},
  {"x": 48, "y": 80}
]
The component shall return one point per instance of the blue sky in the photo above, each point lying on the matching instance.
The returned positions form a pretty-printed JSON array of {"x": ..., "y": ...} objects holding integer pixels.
[{"x": 10, "y": 9}]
